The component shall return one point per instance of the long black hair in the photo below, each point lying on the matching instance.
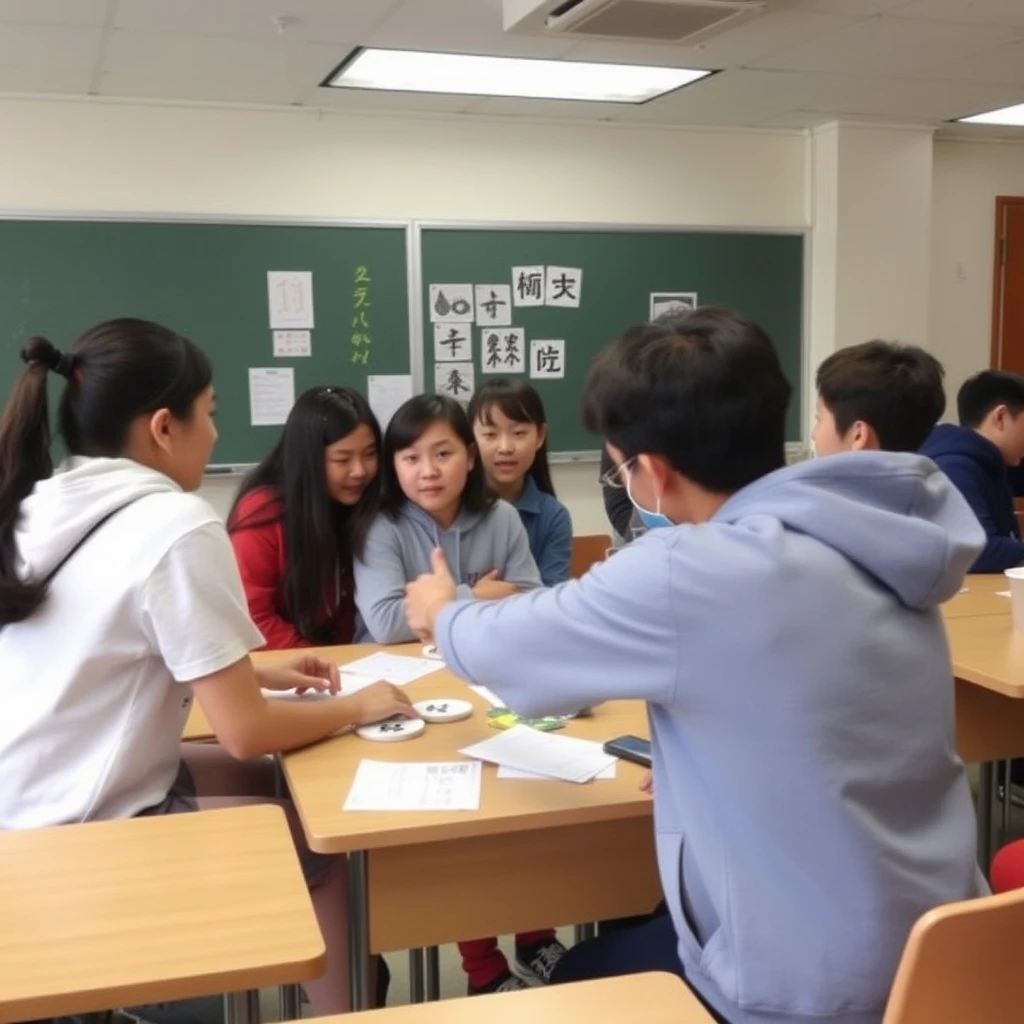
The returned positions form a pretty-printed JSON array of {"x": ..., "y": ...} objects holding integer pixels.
[
  {"x": 413, "y": 419},
  {"x": 321, "y": 535},
  {"x": 116, "y": 372},
  {"x": 519, "y": 402}
]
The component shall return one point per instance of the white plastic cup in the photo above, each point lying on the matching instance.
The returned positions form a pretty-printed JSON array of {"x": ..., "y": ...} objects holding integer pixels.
[{"x": 1016, "y": 578}]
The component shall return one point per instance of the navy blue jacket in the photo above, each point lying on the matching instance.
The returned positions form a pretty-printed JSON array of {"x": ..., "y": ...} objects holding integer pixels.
[{"x": 976, "y": 467}]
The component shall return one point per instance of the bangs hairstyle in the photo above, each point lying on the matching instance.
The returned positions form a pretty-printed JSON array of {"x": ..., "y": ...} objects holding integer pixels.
[
  {"x": 705, "y": 391},
  {"x": 413, "y": 419},
  {"x": 321, "y": 535},
  {"x": 519, "y": 402}
]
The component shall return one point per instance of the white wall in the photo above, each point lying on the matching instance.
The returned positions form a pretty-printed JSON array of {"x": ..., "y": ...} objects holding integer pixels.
[
  {"x": 68, "y": 157},
  {"x": 967, "y": 178}
]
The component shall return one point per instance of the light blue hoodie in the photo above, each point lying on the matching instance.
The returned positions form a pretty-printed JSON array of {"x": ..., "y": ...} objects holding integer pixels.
[
  {"x": 397, "y": 551},
  {"x": 808, "y": 799}
]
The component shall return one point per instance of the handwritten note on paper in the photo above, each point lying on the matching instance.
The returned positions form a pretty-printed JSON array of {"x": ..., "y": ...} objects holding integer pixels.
[
  {"x": 528, "y": 286},
  {"x": 564, "y": 286},
  {"x": 290, "y": 293},
  {"x": 453, "y": 342},
  {"x": 493, "y": 305},
  {"x": 386, "y": 392},
  {"x": 288, "y": 344},
  {"x": 503, "y": 350},
  {"x": 451, "y": 303},
  {"x": 560, "y": 757},
  {"x": 457, "y": 380},
  {"x": 397, "y": 669},
  {"x": 415, "y": 786},
  {"x": 547, "y": 359},
  {"x": 271, "y": 395}
]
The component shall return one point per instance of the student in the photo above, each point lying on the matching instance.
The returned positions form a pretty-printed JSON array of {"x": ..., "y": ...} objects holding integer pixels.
[
  {"x": 120, "y": 600},
  {"x": 783, "y": 625},
  {"x": 512, "y": 439},
  {"x": 433, "y": 494},
  {"x": 977, "y": 457},
  {"x": 878, "y": 396},
  {"x": 302, "y": 514}
]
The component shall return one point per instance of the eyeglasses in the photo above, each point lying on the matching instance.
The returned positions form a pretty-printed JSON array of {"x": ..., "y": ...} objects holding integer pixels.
[{"x": 616, "y": 476}]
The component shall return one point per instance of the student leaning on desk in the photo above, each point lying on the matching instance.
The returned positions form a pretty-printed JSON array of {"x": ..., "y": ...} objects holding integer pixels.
[
  {"x": 809, "y": 804},
  {"x": 120, "y": 598}
]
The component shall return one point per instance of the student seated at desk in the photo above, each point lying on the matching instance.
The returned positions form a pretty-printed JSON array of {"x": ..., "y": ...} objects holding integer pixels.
[
  {"x": 302, "y": 514},
  {"x": 979, "y": 456},
  {"x": 511, "y": 431},
  {"x": 783, "y": 625},
  {"x": 434, "y": 495},
  {"x": 120, "y": 599},
  {"x": 878, "y": 396}
]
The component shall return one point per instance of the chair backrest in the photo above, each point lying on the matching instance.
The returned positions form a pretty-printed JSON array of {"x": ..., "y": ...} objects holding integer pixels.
[
  {"x": 962, "y": 965},
  {"x": 587, "y": 550}
]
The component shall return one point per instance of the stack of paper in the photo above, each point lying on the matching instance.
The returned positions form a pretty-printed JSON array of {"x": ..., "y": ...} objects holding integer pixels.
[
  {"x": 542, "y": 753},
  {"x": 398, "y": 669},
  {"x": 412, "y": 786}
]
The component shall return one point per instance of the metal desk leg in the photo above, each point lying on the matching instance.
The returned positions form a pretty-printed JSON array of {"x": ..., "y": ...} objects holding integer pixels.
[
  {"x": 358, "y": 932},
  {"x": 416, "y": 989},
  {"x": 289, "y": 1002},
  {"x": 433, "y": 957},
  {"x": 986, "y": 795},
  {"x": 242, "y": 1007},
  {"x": 582, "y": 932}
]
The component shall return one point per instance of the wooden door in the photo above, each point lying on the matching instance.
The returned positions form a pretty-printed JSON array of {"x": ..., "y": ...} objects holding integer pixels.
[{"x": 1008, "y": 301}]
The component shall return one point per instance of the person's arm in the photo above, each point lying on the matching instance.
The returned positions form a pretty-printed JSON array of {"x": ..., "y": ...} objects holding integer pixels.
[
  {"x": 380, "y": 579},
  {"x": 555, "y": 555},
  {"x": 257, "y": 551},
  {"x": 617, "y": 506},
  {"x": 1000, "y": 552},
  {"x": 519, "y": 570}
]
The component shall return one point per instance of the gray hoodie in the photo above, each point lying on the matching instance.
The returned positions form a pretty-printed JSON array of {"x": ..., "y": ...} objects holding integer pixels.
[
  {"x": 809, "y": 803},
  {"x": 399, "y": 551}
]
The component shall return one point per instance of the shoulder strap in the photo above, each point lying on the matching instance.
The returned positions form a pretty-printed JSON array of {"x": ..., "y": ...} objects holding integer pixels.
[{"x": 88, "y": 533}]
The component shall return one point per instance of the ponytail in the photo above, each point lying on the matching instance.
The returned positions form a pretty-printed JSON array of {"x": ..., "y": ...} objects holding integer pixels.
[{"x": 24, "y": 461}]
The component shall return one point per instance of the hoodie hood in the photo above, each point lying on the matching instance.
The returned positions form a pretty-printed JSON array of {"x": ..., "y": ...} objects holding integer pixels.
[
  {"x": 948, "y": 439},
  {"x": 896, "y": 516},
  {"x": 61, "y": 509}
]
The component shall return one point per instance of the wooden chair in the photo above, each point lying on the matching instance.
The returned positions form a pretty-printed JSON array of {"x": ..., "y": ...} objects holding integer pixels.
[
  {"x": 587, "y": 550},
  {"x": 961, "y": 965}
]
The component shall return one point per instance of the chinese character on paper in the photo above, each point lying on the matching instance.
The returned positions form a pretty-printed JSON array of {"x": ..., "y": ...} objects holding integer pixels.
[
  {"x": 451, "y": 343},
  {"x": 493, "y": 305},
  {"x": 528, "y": 286},
  {"x": 564, "y": 286},
  {"x": 547, "y": 359},
  {"x": 457, "y": 380}
]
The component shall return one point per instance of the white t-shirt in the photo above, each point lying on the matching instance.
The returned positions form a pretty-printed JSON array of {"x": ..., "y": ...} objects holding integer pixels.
[{"x": 93, "y": 687}]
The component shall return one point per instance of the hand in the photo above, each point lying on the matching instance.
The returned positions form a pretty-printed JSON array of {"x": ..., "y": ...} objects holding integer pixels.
[
  {"x": 306, "y": 672},
  {"x": 426, "y": 596},
  {"x": 491, "y": 587},
  {"x": 379, "y": 701},
  {"x": 647, "y": 782}
]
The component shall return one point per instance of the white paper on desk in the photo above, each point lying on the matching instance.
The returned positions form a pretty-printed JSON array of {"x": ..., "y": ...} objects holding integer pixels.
[
  {"x": 353, "y": 682},
  {"x": 292, "y": 695},
  {"x": 415, "y": 786},
  {"x": 398, "y": 669},
  {"x": 386, "y": 392},
  {"x": 1002, "y": 593},
  {"x": 271, "y": 395},
  {"x": 561, "y": 757},
  {"x": 505, "y": 772}
]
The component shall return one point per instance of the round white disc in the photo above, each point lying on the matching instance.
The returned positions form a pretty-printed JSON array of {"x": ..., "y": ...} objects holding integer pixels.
[
  {"x": 444, "y": 709},
  {"x": 392, "y": 730},
  {"x": 430, "y": 651}
]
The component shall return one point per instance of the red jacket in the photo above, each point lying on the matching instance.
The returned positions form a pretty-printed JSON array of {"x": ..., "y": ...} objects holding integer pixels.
[{"x": 262, "y": 561}]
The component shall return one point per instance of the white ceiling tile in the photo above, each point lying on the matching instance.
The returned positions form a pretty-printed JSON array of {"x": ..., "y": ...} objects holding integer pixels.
[
  {"x": 884, "y": 46},
  {"x": 978, "y": 12},
  {"x": 391, "y": 102},
  {"x": 54, "y": 12},
  {"x": 1003, "y": 65},
  {"x": 322, "y": 21},
  {"x": 70, "y": 58},
  {"x": 856, "y": 8},
  {"x": 502, "y": 106}
]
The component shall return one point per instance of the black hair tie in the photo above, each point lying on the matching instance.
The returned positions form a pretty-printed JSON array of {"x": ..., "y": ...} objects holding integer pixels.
[{"x": 53, "y": 359}]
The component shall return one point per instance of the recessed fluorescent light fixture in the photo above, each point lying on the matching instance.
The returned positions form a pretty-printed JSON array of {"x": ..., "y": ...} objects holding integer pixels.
[
  {"x": 1004, "y": 115},
  {"x": 471, "y": 75}
]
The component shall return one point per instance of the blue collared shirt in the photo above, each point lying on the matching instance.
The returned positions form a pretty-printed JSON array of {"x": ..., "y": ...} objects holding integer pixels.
[{"x": 549, "y": 529}]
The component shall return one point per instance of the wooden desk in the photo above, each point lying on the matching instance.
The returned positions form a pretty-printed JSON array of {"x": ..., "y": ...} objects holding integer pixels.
[
  {"x": 982, "y": 597},
  {"x": 126, "y": 912},
  {"x": 537, "y": 853},
  {"x": 652, "y": 998}
]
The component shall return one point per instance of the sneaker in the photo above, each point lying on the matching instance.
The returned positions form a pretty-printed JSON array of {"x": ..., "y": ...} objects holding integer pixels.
[
  {"x": 504, "y": 982},
  {"x": 538, "y": 962}
]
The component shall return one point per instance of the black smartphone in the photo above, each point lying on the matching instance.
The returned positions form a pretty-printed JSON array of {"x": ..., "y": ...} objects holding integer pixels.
[{"x": 630, "y": 748}]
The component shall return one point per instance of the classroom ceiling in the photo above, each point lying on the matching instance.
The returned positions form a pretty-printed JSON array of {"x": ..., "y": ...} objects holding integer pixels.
[{"x": 803, "y": 63}]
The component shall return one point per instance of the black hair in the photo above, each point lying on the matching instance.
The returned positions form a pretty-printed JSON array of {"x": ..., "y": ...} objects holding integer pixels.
[
  {"x": 983, "y": 392},
  {"x": 520, "y": 403},
  {"x": 116, "y": 372},
  {"x": 321, "y": 535},
  {"x": 896, "y": 389},
  {"x": 706, "y": 392},
  {"x": 407, "y": 426}
]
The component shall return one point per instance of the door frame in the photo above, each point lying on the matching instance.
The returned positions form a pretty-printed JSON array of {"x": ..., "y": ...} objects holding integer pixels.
[{"x": 1002, "y": 204}]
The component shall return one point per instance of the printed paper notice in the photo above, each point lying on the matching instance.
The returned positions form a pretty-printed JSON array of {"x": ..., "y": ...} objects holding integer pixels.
[
  {"x": 457, "y": 380},
  {"x": 288, "y": 344},
  {"x": 386, "y": 392},
  {"x": 271, "y": 395},
  {"x": 411, "y": 786},
  {"x": 291, "y": 299},
  {"x": 668, "y": 303}
]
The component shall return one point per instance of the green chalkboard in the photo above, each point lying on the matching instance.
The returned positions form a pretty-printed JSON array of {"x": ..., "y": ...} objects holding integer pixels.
[
  {"x": 759, "y": 274},
  {"x": 209, "y": 283}
]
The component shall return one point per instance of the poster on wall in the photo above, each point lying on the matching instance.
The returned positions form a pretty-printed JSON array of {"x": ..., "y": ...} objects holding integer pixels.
[{"x": 663, "y": 303}]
